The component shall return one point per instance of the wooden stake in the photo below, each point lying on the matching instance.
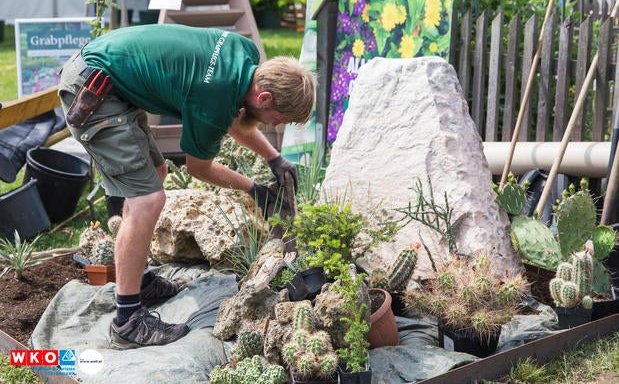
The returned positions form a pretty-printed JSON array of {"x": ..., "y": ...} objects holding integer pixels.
[
  {"x": 582, "y": 96},
  {"x": 525, "y": 96}
]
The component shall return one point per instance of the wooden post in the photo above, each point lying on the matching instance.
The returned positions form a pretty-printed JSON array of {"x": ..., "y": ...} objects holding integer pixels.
[
  {"x": 525, "y": 97},
  {"x": 582, "y": 96}
]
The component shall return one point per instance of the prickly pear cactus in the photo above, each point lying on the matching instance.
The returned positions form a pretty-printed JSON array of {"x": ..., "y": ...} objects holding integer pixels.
[
  {"x": 402, "y": 269},
  {"x": 576, "y": 220},
  {"x": 103, "y": 252},
  {"x": 249, "y": 343},
  {"x": 513, "y": 197},
  {"x": 535, "y": 243},
  {"x": 604, "y": 239}
]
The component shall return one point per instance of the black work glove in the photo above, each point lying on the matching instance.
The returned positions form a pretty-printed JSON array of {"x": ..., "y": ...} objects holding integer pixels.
[
  {"x": 266, "y": 199},
  {"x": 279, "y": 166}
]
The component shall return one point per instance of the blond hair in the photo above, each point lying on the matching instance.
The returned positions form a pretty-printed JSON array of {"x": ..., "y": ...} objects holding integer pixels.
[{"x": 291, "y": 85}]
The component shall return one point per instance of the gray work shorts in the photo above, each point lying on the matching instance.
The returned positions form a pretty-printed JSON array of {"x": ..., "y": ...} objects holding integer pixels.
[{"x": 117, "y": 138}]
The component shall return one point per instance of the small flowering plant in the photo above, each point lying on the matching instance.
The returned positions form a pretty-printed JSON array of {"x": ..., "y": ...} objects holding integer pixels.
[{"x": 386, "y": 28}]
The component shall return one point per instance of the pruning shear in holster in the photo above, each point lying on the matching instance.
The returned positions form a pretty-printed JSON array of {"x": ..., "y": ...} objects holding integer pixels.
[{"x": 88, "y": 99}]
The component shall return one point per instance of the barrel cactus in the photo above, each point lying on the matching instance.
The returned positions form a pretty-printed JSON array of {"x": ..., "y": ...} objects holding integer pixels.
[
  {"x": 90, "y": 236},
  {"x": 103, "y": 252},
  {"x": 309, "y": 352},
  {"x": 573, "y": 282},
  {"x": 249, "y": 343},
  {"x": 113, "y": 224}
]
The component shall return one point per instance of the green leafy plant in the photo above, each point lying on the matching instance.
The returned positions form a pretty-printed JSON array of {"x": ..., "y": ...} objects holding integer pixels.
[
  {"x": 309, "y": 352},
  {"x": 100, "y": 7},
  {"x": 250, "y": 233},
  {"x": 355, "y": 352},
  {"x": 310, "y": 179},
  {"x": 18, "y": 254},
  {"x": 467, "y": 296},
  {"x": 332, "y": 235},
  {"x": 16, "y": 375}
]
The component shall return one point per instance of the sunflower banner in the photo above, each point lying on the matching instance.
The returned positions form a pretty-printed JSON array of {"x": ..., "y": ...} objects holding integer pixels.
[{"x": 383, "y": 28}]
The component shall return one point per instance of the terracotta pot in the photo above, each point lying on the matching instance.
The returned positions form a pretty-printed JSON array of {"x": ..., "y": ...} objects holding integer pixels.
[
  {"x": 99, "y": 274},
  {"x": 383, "y": 328}
]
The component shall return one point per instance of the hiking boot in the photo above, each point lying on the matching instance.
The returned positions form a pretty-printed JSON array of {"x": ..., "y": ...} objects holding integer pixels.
[
  {"x": 160, "y": 289},
  {"x": 145, "y": 329}
]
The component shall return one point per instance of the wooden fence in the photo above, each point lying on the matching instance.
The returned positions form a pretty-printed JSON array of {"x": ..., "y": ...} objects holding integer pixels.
[{"x": 493, "y": 59}]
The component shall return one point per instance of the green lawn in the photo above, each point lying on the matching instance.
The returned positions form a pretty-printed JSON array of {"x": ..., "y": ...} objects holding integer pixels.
[{"x": 8, "y": 67}]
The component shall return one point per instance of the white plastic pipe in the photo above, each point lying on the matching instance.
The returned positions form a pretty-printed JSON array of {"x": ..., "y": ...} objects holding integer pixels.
[{"x": 580, "y": 159}]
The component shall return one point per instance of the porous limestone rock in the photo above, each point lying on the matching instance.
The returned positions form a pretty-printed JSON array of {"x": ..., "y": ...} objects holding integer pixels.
[
  {"x": 329, "y": 309},
  {"x": 248, "y": 305},
  {"x": 280, "y": 329},
  {"x": 269, "y": 261},
  {"x": 192, "y": 225},
  {"x": 407, "y": 121}
]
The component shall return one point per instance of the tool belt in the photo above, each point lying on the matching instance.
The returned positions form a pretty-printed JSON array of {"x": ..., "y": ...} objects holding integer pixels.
[{"x": 88, "y": 99}]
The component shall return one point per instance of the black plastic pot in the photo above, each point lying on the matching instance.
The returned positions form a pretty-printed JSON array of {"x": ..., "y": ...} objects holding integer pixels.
[
  {"x": 398, "y": 306},
  {"x": 612, "y": 261},
  {"x": 459, "y": 341},
  {"x": 306, "y": 284},
  {"x": 572, "y": 317},
  {"x": 364, "y": 377},
  {"x": 22, "y": 209},
  {"x": 317, "y": 381},
  {"x": 61, "y": 180}
]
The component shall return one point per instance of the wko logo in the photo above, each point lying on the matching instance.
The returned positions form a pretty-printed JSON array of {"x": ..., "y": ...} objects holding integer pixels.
[
  {"x": 53, "y": 362},
  {"x": 35, "y": 357}
]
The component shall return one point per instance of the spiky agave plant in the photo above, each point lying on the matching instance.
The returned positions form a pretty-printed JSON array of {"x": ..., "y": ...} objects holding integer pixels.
[{"x": 466, "y": 296}]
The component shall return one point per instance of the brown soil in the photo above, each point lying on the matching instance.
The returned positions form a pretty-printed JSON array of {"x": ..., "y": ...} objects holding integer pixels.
[
  {"x": 22, "y": 302},
  {"x": 376, "y": 300}
]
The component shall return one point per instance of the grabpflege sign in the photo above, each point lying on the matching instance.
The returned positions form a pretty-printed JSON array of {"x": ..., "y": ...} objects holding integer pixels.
[{"x": 42, "y": 47}]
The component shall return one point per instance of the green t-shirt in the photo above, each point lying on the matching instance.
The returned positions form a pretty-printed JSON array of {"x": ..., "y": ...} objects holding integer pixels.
[{"x": 198, "y": 75}]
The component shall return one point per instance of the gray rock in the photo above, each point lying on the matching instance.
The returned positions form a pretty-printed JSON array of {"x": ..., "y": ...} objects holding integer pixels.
[
  {"x": 416, "y": 125},
  {"x": 192, "y": 225}
]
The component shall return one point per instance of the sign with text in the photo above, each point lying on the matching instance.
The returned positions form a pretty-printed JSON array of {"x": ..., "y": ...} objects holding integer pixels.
[
  {"x": 42, "y": 46},
  {"x": 392, "y": 29}
]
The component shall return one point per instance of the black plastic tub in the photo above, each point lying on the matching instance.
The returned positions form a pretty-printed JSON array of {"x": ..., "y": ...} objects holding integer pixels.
[
  {"x": 61, "y": 180},
  {"x": 22, "y": 210},
  {"x": 306, "y": 284},
  {"x": 458, "y": 341}
]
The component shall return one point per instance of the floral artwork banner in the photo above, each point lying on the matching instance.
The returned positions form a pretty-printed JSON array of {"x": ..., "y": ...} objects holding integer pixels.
[
  {"x": 383, "y": 28},
  {"x": 42, "y": 46}
]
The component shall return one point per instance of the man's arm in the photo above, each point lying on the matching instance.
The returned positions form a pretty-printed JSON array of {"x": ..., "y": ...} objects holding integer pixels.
[
  {"x": 214, "y": 173},
  {"x": 250, "y": 137}
]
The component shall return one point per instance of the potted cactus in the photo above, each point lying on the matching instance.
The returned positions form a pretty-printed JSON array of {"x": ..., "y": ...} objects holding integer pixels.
[
  {"x": 470, "y": 303},
  {"x": 572, "y": 292},
  {"x": 394, "y": 281},
  {"x": 309, "y": 353},
  {"x": 249, "y": 370},
  {"x": 98, "y": 253}
]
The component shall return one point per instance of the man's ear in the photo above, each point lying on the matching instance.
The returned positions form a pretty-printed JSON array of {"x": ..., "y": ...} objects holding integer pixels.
[{"x": 264, "y": 99}]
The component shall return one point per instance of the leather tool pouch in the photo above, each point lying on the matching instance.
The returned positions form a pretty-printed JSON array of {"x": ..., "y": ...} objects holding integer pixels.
[{"x": 88, "y": 99}]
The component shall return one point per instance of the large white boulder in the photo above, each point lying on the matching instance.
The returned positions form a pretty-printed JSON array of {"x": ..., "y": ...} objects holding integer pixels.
[{"x": 407, "y": 121}]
